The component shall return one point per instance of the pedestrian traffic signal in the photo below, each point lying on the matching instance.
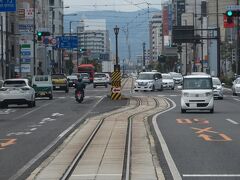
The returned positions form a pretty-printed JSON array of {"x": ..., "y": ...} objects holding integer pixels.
[{"x": 82, "y": 50}]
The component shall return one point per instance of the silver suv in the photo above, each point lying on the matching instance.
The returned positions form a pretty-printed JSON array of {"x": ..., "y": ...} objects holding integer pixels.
[{"x": 100, "y": 79}]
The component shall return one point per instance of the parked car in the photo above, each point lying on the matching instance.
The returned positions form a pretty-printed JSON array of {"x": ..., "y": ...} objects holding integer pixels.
[
  {"x": 100, "y": 79},
  {"x": 17, "y": 91},
  {"x": 149, "y": 81},
  {"x": 197, "y": 93},
  {"x": 42, "y": 84},
  {"x": 85, "y": 77},
  {"x": 217, "y": 88},
  {"x": 167, "y": 81},
  {"x": 236, "y": 87},
  {"x": 72, "y": 80},
  {"x": 60, "y": 82},
  {"x": 177, "y": 77}
]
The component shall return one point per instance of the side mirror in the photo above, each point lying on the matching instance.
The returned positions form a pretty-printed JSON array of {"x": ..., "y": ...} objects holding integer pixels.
[
  {"x": 179, "y": 87},
  {"x": 223, "y": 84}
]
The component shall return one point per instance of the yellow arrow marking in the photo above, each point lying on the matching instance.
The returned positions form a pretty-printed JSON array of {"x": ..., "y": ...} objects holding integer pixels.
[
  {"x": 209, "y": 138},
  {"x": 200, "y": 121},
  {"x": 199, "y": 131},
  {"x": 7, "y": 142},
  {"x": 184, "y": 121}
]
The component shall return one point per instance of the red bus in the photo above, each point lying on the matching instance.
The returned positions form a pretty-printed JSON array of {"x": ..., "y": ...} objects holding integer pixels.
[{"x": 87, "y": 68}]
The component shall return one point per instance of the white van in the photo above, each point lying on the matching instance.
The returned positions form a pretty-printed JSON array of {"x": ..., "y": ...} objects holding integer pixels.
[
  {"x": 149, "y": 81},
  {"x": 197, "y": 93}
]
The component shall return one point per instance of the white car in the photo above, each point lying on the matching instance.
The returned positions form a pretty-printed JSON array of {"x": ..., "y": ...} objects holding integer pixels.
[
  {"x": 17, "y": 91},
  {"x": 148, "y": 81},
  {"x": 197, "y": 93},
  {"x": 217, "y": 88},
  {"x": 100, "y": 79},
  {"x": 177, "y": 77},
  {"x": 236, "y": 87},
  {"x": 167, "y": 81}
]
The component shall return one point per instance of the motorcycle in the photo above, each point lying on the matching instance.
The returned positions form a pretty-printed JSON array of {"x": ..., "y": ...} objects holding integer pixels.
[{"x": 79, "y": 96}]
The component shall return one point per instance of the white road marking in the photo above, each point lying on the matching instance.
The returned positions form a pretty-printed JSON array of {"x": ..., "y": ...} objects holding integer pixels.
[
  {"x": 57, "y": 114},
  {"x": 44, "y": 120},
  {"x": 33, "y": 129},
  {"x": 172, "y": 166},
  {"x": 7, "y": 111},
  {"x": 19, "y": 133},
  {"x": 232, "y": 121},
  {"x": 211, "y": 175},
  {"x": 31, "y": 111},
  {"x": 93, "y": 175},
  {"x": 236, "y": 99}
]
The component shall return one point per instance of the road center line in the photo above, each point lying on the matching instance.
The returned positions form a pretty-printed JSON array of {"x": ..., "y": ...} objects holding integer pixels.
[
  {"x": 211, "y": 175},
  {"x": 232, "y": 121}
]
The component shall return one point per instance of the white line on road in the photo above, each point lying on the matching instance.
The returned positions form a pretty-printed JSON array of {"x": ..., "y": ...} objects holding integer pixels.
[
  {"x": 31, "y": 111},
  {"x": 211, "y": 175},
  {"x": 232, "y": 121},
  {"x": 169, "y": 159},
  {"x": 236, "y": 99}
]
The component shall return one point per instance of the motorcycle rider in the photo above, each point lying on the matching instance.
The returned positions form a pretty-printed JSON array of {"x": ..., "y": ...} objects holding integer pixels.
[{"x": 80, "y": 86}]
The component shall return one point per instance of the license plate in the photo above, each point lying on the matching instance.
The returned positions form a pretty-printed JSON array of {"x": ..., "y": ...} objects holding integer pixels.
[
  {"x": 57, "y": 86},
  {"x": 42, "y": 93},
  {"x": 193, "y": 105}
]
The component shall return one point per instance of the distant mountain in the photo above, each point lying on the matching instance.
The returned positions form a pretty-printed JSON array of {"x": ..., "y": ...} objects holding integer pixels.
[{"x": 138, "y": 28}]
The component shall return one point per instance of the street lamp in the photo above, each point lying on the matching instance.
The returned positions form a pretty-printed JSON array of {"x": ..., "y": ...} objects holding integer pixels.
[{"x": 116, "y": 31}]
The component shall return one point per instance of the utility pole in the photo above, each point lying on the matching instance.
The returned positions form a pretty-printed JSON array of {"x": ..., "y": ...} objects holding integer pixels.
[
  {"x": 2, "y": 47},
  {"x": 218, "y": 44},
  {"x": 7, "y": 48},
  {"x": 144, "y": 50},
  {"x": 34, "y": 39},
  {"x": 237, "y": 44}
]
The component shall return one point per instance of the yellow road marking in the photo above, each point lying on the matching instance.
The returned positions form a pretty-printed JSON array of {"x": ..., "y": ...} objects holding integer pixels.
[
  {"x": 209, "y": 138},
  {"x": 200, "y": 131},
  {"x": 6, "y": 142}
]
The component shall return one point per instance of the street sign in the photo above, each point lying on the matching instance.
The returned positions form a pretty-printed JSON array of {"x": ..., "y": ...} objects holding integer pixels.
[
  {"x": 68, "y": 42},
  {"x": 116, "y": 89},
  {"x": 8, "y": 6},
  {"x": 233, "y": 7}
]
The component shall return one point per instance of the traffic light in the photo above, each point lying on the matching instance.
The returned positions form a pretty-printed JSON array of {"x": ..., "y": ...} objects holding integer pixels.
[
  {"x": 40, "y": 34},
  {"x": 82, "y": 50}
]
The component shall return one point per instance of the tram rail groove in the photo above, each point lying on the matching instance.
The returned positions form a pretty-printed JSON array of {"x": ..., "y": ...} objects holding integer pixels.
[{"x": 70, "y": 169}]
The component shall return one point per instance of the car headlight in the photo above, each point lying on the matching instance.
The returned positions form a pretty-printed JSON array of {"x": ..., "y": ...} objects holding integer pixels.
[
  {"x": 186, "y": 94},
  {"x": 208, "y": 94}
]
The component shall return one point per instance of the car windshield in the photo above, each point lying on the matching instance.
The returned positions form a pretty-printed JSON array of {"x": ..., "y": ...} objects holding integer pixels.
[
  {"x": 176, "y": 75},
  {"x": 41, "y": 78},
  {"x": 238, "y": 81},
  {"x": 85, "y": 75},
  {"x": 16, "y": 83},
  {"x": 72, "y": 77},
  {"x": 197, "y": 83},
  {"x": 145, "y": 76},
  {"x": 100, "y": 75},
  {"x": 166, "y": 76},
  {"x": 216, "y": 81}
]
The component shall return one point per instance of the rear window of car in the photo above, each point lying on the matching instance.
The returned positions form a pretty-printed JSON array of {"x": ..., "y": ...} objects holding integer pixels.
[
  {"x": 58, "y": 76},
  {"x": 99, "y": 75},
  {"x": 41, "y": 78},
  {"x": 14, "y": 83}
]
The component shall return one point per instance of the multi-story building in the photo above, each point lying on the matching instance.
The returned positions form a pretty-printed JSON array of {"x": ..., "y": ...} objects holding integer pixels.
[
  {"x": 94, "y": 38},
  {"x": 156, "y": 37}
]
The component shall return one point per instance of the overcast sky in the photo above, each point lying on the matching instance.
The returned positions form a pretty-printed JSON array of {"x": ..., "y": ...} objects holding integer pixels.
[{"x": 117, "y": 5}]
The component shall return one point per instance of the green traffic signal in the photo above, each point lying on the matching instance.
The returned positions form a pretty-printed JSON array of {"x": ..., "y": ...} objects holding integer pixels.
[
  {"x": 229, "y": 13},
  {"x": 39, "y": 33}
]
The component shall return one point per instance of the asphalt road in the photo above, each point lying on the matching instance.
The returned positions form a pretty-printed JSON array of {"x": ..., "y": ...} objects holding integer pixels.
[
  {"x": 201, "y": 145},
  {"x": 28, "y": 135}
]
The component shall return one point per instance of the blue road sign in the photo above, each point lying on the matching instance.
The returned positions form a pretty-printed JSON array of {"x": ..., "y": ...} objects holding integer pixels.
[
  {"x": 8, "y": 6},
  {"x": 68, "y": 42}
]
